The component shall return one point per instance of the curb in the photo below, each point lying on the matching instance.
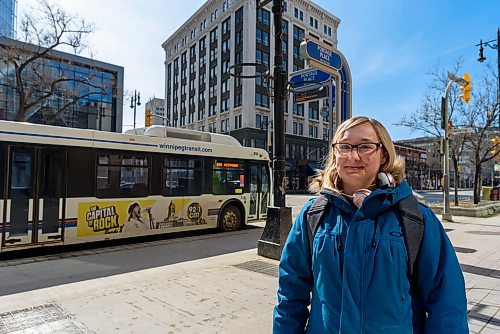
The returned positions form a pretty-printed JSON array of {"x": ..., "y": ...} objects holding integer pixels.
[{"x": 483, "y": 211}]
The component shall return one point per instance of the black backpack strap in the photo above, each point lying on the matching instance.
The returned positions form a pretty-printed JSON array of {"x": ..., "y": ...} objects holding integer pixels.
[
  {"x": 412, "y": 222},
  {"x": 315, "y": 215}
]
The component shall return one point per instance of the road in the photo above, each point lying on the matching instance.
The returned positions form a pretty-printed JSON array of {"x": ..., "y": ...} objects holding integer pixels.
[
  {"x": 33, "y": 273},
  {"x": 437, "y": 196}
]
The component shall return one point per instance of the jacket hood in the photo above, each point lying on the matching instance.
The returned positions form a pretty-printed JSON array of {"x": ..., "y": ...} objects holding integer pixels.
[
  {"x": 378, "y": 202},
  {"x": 383, "y": 198}
]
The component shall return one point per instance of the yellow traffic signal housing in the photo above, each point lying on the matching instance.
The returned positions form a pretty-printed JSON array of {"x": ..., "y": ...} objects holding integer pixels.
[
  {"x": 495, "y": 145},
  {"x": 466, "y": 89},
  {"x": 147, "y": 121}
]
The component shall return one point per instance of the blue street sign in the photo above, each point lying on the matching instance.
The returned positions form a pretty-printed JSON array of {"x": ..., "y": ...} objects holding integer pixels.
[
  {"x": 301, "y": 78},
  {"x": 313, "y": 51}
]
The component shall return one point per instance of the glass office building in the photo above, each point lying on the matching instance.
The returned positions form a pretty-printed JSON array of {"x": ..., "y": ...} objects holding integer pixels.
[
  {"x": 8, "y": 18},
  {"x": 88, "y": 95}
]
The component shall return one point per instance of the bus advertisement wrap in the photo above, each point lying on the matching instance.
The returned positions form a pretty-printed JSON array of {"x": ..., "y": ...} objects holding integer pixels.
[{"x": 95, "y": 218}]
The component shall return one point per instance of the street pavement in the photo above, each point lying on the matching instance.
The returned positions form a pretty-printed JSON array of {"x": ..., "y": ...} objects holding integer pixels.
[{"x": 229, "y": 293}]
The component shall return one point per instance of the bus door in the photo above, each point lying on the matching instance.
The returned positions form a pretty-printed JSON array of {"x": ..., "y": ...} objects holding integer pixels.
[
  {"x": 259, "y": 190},
  {"x": 34, "y": 203}
]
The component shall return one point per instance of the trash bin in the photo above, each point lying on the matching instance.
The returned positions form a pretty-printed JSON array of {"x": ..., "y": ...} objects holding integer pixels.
[
  {"x": 487, "y": 193},
  {"x": 495, "y": 194}
]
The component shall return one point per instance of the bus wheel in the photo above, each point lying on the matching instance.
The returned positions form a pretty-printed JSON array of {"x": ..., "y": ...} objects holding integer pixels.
[{"x": 230, "y": 219}]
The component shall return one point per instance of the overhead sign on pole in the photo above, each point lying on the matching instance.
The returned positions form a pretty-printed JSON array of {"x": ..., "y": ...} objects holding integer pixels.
[
  {"x": 324, "y": 57},
  {"x": 300, "y": 79},
  {"x": 313, "y": 51}
]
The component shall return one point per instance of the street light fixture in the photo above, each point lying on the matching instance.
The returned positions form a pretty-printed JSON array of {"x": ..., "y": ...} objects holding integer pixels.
[
  {"x": 491, "y": 44},
  {"x": 134, "y": 102},
  {"x": 163, "y": 118}
]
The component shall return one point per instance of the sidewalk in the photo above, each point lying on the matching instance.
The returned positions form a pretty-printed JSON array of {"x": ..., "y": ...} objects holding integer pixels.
[{"x": 232, "y": 293}]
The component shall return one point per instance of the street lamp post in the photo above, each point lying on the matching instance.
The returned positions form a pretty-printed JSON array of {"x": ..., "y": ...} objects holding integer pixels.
[
  {"x": 446, "y": 215},
  {"x": 134, "y": 102},
  {"x": 279, "y": 217},
  {"x": 491, "y": 44}
]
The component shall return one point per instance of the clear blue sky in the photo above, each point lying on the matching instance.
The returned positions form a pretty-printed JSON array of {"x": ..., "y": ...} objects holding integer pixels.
[{"x": 390, "y": 44}]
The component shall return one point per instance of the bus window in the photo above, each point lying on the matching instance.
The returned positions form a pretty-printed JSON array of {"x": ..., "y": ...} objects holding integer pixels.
[
  {"x": 134, "y": 175},
  {"x": 182, "y": 176},
  {"x": 228, "y": 177},
  {"x": 122, "y": 175}
]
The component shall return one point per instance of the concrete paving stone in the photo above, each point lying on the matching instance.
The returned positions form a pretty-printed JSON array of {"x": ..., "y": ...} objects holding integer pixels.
[
  {"x": 490, "y": 330},
  {"x": 475, "y": 329}
]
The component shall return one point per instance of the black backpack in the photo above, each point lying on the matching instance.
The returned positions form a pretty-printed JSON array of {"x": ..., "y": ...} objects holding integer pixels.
[{"x": 412, "y": 223}]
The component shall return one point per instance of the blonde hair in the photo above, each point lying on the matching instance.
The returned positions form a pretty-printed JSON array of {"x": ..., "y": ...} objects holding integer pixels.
[{"x": 329, "y": 177}]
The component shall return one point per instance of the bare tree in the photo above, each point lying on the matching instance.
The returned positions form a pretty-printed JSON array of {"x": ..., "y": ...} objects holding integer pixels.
[
  {"x": 427, "y": 118},
  {"x": 481, "y": 118},
  {"x": 32, "y": 66}
]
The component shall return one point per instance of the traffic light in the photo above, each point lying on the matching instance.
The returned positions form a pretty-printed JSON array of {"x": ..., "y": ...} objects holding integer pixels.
[
  {"x": 147, "y": 122},
  {"x": 466, "y": 89},
  {"x": 495, "y": 146}
]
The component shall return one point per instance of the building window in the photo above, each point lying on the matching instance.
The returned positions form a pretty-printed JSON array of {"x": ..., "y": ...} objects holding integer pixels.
[
  {"x": 262, "y": 57},
  {"x": 239, "y": 37},
  {"x": 261, "y": 122},
  {"x": 225, "y": 86},
  {"x": 239, "y": 16},
  {"x": 314, "y": 110},
  {"x": 263, "y": 16},
  {"x": 213, "y": 16},
  {"x": 298, "y": 128},
  {"x": 213, "y": 54},
  {"x": 238, "y": 100},
  {"x": 261, "y": 100},
  {"x": 213, "y": 36},
  {"x": 202, "y": 43},
  {"x": 262, "y": 37},
  {"x": 237, "y": 121},
  {"x": 226, "y": 26},
  {"x": 212, "y": 110},
  {"x": 201, "y": 112},
  {"x": 298, "y": 33},
  {"x": 226, "y": 45},
  {"x": 313, "y": 131},
  {"x": 298, "y": 109},
  {"x": 212, "y": 91}
]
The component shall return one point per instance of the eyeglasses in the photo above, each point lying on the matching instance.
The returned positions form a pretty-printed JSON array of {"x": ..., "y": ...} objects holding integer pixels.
[{"x": 363, "y": 149}]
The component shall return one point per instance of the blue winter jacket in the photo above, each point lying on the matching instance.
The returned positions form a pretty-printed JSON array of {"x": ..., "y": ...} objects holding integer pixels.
[{"x": 356, "y": 279}]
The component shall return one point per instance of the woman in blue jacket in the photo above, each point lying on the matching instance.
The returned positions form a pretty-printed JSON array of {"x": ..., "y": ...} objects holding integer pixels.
[{"x": 355, "y": 278}]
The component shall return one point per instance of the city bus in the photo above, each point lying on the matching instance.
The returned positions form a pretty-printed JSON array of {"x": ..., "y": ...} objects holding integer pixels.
[{"x": 61, "y": 186}]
